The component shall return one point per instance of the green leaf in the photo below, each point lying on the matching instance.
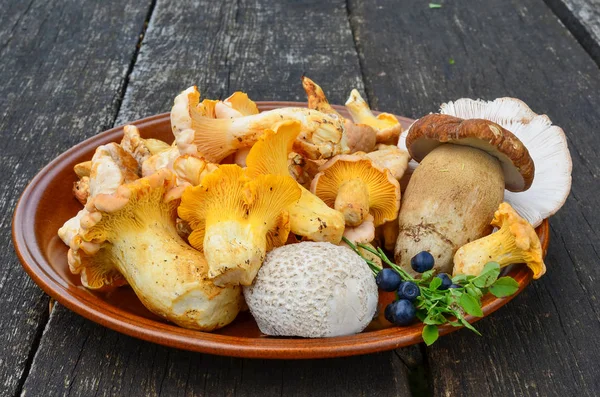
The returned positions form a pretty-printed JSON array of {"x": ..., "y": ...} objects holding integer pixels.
[
  {"x": 460, "y": 279},
  {"x": 435, "y": 283},
  {"x": 435, "y": 319},
  {"x": 427, "y": 275},
  {"x": 451, "y": 61},
  {"x": 473, "y": 291},
  {"x": 421, "y": 315},
  {"x": 468, "y": 325},
  {"x": 470, "y": 305},
  {"x": 488, "y": 275},
  {"x": 435, "y": 5},
  {"x": 504, "y": 286},
  {"x": 430, "y": 334}
]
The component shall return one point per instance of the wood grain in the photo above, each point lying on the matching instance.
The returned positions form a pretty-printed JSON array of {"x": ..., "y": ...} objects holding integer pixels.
[
  {"x": 59, "y": 83},
  {"x": 262, "y": 48},
  {"x": 542, "y": 343},
  {"x": 582, "y": 18}
]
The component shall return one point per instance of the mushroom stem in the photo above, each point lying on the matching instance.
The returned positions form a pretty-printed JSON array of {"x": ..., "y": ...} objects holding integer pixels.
[
  {"x": 449, "y": 201},
  {"x": 353, "y": 201}
]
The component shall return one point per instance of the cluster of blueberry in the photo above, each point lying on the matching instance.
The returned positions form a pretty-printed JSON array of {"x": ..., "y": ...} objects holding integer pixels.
[{"x": 402, "y": 311}]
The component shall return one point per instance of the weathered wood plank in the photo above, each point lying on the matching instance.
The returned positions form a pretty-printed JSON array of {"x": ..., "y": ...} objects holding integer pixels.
[
  {"x": 259, "y": 47},
  {"x": 542, "y": 343},
  {"x": 59, "y": 83},
  {"x": 582, "y": 18},
  {"x": 80, "y": 358},
  {"x": 263, "y": 48}
]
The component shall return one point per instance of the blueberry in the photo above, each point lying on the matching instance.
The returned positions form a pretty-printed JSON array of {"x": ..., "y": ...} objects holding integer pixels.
[
  {"x": 455, "y": 286},
  {"x": 422, "y": 262},
  {"x": 446, "y": 281},
  {"x": 402, "y": 312},
  {"x": 388, "y": 313},
  {"x": 408, "y": 290},
  {"x": 388, "y": 280}
]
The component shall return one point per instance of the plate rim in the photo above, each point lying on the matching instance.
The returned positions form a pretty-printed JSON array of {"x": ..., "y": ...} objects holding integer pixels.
[{"x": 173, "y": 336}]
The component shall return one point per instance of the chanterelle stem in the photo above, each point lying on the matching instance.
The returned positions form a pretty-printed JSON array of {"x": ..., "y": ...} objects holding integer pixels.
[{"x": 353, "y": 201}]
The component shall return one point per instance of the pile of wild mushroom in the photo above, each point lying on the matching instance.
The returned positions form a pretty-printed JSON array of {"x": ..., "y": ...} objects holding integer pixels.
[{"x": 248, "y": 205}]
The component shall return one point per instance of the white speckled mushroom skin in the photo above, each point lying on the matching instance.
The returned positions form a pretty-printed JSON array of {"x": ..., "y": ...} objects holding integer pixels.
[
  {"x": 449, "y": 201},
  {"x": 312, "y": 290}
]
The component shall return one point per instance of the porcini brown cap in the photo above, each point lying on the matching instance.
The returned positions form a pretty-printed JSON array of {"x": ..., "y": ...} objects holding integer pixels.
[{"x": 433, "y": 130}]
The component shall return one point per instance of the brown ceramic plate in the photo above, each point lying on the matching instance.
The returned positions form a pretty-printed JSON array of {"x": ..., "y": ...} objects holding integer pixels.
[{"x": 47, "y": 203}]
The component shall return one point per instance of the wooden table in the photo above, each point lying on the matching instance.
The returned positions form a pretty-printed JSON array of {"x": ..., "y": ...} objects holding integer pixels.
[{"x": 72, "y": 68}]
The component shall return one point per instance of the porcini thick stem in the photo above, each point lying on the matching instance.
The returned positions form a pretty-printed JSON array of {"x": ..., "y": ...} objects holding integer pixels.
[
  {"x": 449, "y": 201},
  {"x": 353, "y": 201}
]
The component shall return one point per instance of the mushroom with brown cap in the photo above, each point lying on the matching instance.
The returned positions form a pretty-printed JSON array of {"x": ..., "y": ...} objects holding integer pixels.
[
  {"x": 515, "y": 242},
  {"x": 452, "y": 195},
  {"x": 310, "y": 217},
  {"x": 321, "y": 136},
  {"x": 360, "y": 137},
  {"x": 355, "y": 186},
  {"x": 387, "y": 126},
  {"x": 235, "y": 220},
  {"x": 131, "y": 235},
  {"x": 547, "y": 146}
]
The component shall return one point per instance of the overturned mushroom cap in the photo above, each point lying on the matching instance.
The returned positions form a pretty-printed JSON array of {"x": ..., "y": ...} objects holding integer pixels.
[
  {"x": 433, "y": 130},
  {"x": 355, "y": 186},
  {"x": 387, "y": 125},
  {"x": 547, "y": 146},
  {"x": 322, "y": 135}
]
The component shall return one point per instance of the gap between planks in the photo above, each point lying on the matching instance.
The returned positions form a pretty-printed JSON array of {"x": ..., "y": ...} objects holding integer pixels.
[
  {"x": 121, "y": 93},
  {"x": 576, "y": 27}
]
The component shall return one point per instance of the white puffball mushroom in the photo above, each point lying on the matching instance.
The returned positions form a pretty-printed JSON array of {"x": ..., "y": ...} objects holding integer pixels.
[{"x": 312, "y": 290}]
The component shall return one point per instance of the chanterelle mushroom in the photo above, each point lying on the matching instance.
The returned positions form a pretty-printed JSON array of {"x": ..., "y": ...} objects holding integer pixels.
[
  {"x": 360, "y": 137},
  {"x": 453, "y": 193},
  {"x": 235, "y": 220},
  {"x": 547, "y": 146},
  {"x": 321, "y": 136},
  {"x": 110, "y": 167},
  {"x": 131, "y": 234},
  {"x": 392, "y": 158},
  {"x": 515, "y": 242},
  {"x": 312, "y": 290},
  {"x": 356, "y": 187},
  {"x": 310, "y": 217},
  {"x": 237, "y": 105},
  {"x": 387, "y": 125}
]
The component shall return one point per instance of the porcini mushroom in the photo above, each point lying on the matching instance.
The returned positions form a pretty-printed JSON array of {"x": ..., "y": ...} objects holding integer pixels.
[
  {"x": 547, "y": 146},
  {"x": 356, "y": 187},
  {"x": 310, "y": 217},
  {"x": 360, "y": 137},
  {"x": 452, "y": 195},
  {"x": 387, "y": 126},
  {"x": 131, "y": 235},
  {"x": 515, "y": 242},
  {"x": 321, "y": 136},
  {"x": 235, "y": 220}
]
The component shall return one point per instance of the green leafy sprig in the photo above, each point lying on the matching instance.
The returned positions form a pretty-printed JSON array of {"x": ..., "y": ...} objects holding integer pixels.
[{"x": 435, "y": 307}]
